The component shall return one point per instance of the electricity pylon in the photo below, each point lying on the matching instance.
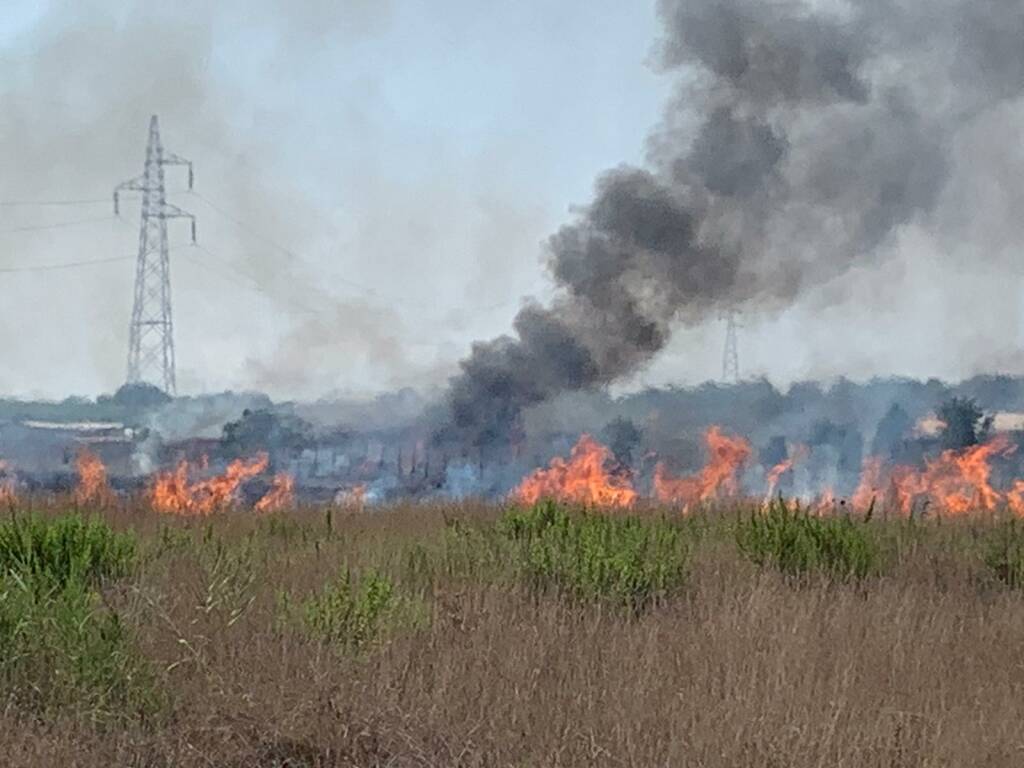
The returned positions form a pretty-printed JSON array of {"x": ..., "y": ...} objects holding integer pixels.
[
  {"x": 151, "y": 333},
  {"x": 731, "y": 355}
]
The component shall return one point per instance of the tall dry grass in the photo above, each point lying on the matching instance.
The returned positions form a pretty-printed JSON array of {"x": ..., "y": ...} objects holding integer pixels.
[{"x": 919, "y": 664}]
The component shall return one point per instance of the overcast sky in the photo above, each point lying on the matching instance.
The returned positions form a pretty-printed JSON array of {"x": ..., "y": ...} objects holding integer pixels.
[{"x": 376, "y": 179}]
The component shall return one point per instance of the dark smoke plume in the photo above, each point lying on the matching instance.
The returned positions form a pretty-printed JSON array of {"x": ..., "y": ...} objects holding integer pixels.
[{"x": 800, "y": 140}]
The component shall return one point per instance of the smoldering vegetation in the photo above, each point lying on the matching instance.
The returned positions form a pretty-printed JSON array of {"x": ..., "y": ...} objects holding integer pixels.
[
  {"x": 394, "y": 446},
  {"x": 802, "y": 139},
  {"x": 832, "y": 426}
]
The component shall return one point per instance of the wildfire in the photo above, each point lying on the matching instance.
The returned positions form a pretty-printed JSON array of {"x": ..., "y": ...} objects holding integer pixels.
[
  {"x": 583, "y": 479},
  {"x": 961, "y": 481},
  {"x": 173, "y": 492},
  {"x": 870, "y": 485},
  {"x": 93, "y": 487},
  {"x": 1015, "y": 498},
  {"x": 956, "y": 482},
  {"x": 718, "y": 478},
  {"x": 775, "y": 473},
  {"x": 8, "y": 494},
  {"x": 826, "y": 503},
  {"x": 351, "y": 497},
  {"x": 280, "y": 496}
]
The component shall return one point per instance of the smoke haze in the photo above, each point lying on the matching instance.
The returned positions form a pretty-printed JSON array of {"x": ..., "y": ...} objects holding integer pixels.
[
  {"x": 846, "y": 173},
  {"x": 322, "y": 127},
  {"x": 804, "y": 143}
]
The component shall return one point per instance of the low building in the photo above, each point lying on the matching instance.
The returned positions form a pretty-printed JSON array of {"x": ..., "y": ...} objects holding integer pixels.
[{"x": 48, "y": 447}]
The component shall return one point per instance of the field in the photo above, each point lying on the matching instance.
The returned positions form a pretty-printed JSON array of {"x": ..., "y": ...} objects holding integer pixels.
[{"x": 483, "y": 636}]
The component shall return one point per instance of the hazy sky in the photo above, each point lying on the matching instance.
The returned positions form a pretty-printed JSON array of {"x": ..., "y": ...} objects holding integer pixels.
[{"x": 376, "y": 179}]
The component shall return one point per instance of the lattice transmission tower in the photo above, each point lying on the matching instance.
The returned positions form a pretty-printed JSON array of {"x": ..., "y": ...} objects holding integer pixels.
[
  {"x": 151, "y": 333},
  {"x": 731, "y": 355}
]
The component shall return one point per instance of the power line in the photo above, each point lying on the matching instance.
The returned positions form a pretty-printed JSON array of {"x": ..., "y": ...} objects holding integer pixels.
[
  {"x": 45, "y": 203},
  {"x": 248, "y": 282},
  {"x": 65, "y": 265},
  {"x": 362, "y": 288},
  {"x": 283, "y": 249},
  {"x": 56, "y": 225},
  {"x": 64, "y": 202}
]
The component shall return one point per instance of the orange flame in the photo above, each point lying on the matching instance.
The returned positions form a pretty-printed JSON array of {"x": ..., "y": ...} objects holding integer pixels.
[
  {"x": 957, "y": 482},
  {"x": 775, "y": 473},
  {"x": 352, "y": 497},
  {"x": 583, "y": 479},
  {"x": 8, "y": 492},
  {"x": 961, "y": 481},
  {"x": 280, "y": 496},
  {"x": 826, "y": 502},
  {"x": 172, "y": 492},
  {"x": 93, "y": 487},
  {"x": 870, "y": 485},
  {"x": 718, "y": 478},
  {"x": 1015, "y": 498}
]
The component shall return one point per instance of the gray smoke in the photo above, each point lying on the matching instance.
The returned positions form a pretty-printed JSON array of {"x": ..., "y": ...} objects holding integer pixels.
[{"x": 801, "y": 139}]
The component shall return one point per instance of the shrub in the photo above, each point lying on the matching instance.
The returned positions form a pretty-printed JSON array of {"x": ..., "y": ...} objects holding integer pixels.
[
  {"x": 352, "y": 613},
  {"x": 797, "y": 543},
  {"x": 56, "y": 552},
  {"x": 623, "y": 559},
  {"x": 62, "y": 649},
  {"x": 60, "y": 646}
]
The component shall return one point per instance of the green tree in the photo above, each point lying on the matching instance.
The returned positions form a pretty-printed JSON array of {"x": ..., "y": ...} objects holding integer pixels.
[
  {"x": 263, "y": 430},
  {"x": 140, "y": 395},
  {"x": 964, "y": 423}
]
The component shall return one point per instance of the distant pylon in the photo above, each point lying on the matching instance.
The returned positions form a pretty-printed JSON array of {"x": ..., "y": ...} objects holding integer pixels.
[
  {"x": 731, "y": 355},
  {"x": 151, "y": 333}
]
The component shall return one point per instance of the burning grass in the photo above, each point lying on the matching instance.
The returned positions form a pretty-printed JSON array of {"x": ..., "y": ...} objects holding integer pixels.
[
  {"x": 583, "y": 479},
  {"x": 177, "y": 493},
  {"x": 548, "y": 634}
]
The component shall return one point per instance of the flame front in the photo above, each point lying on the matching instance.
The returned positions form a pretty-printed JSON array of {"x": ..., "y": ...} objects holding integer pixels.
[
  {"x": 583, "y": 479},
  {"x": 173, "y": 493},
  {"x": 280, "y": 496},
  {"x": 719, "y": 477},
  {"x": 956, "y": 482},
  {"x": 961, "y": 481},
  {"x": 92, "y": 487}
]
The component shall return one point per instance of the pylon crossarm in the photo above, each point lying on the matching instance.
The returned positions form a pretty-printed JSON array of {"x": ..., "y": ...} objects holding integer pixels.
[
  {"x": 170, "y": 158},
  {"x": 169, "y": 211},
  {"x": 138, "y": 184}
]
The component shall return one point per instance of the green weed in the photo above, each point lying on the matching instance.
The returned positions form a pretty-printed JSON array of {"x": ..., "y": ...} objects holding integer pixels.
[
  {"x": 595, "y": 556},
  {"x": 787, "y": 538},
  {"x": 354, "y": 612},
  {"x": 60, "y": 647},
  {"x": 60, "y": 550}
]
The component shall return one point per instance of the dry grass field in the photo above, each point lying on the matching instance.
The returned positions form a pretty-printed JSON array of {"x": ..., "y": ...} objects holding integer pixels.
[{"x": 475, "y": 636}]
